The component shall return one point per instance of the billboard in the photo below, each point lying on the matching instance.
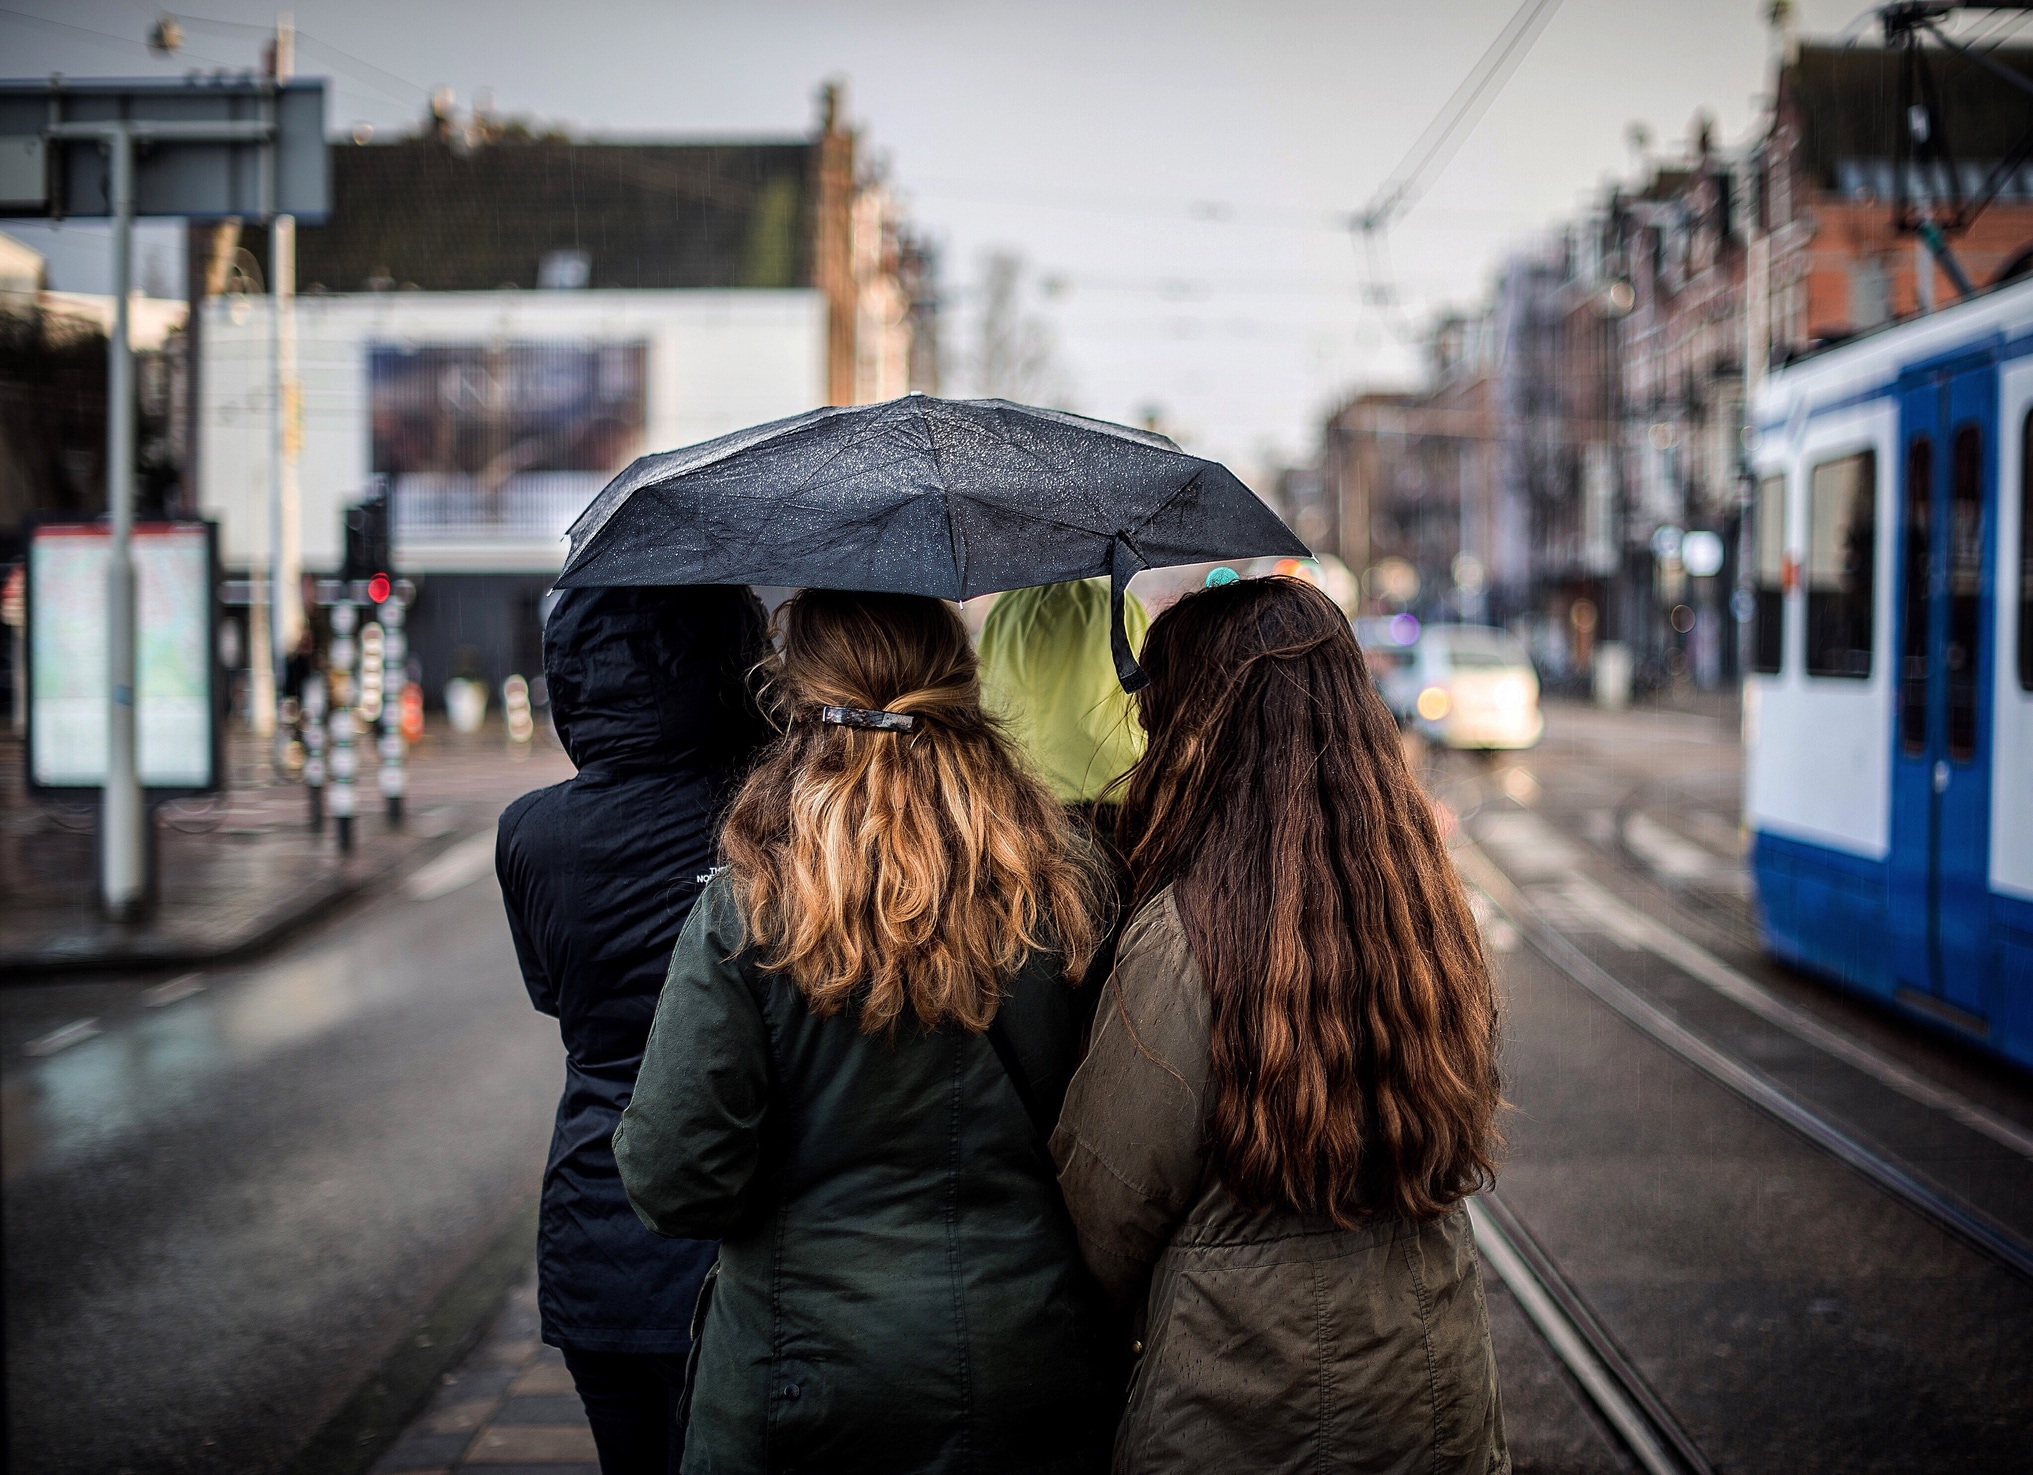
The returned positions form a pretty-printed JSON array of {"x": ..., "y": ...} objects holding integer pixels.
[
  {"x": 177, "y": 733},
  {"x": 493, "y": 411},
  {"x": 501, "y": 440}
]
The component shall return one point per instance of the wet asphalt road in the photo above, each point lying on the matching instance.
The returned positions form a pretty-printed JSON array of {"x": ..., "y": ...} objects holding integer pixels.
[{"x": 222, "y": 1213}]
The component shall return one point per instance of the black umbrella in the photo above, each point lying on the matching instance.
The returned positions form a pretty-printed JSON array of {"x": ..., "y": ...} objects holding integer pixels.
[{"x": 950, "y": 498}]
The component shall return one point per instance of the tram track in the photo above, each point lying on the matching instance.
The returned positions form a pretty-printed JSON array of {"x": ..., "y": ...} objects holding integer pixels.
[
  {"x": 1737, "y": 1269},
  {"x": 1971, "y": 1226},
  {"x": 1572, "y": 1332},
  {"x": 1630, "y": 1410}
]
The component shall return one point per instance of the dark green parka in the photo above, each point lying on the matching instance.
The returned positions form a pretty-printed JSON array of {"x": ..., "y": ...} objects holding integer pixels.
[{"x": 900, "y": 1289}]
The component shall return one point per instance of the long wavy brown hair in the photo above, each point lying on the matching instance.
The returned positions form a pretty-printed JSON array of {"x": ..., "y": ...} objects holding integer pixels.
[
  {"x": 879, "y": 869},
  {"x": 1354, "y": 1041}
]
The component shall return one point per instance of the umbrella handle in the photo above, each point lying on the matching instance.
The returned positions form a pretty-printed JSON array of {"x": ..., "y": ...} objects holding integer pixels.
[{"x": 1122, "y": 565}]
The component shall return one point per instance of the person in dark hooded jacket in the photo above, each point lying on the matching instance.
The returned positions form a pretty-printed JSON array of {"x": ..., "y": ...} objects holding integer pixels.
[{"x": 649, "y": 693}]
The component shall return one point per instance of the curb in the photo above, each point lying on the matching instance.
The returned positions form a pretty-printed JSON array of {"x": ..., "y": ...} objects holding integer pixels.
[
  {"x": 375, "y": 1416},
  {"x": 28, "y": 965}
]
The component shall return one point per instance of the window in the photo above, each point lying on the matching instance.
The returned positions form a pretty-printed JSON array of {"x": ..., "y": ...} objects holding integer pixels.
[
  {"x": 1475, "y": 651},
  {"x": 1964, "y": 651},
  {"x": 2026, "y": 554},
  {"x": 1870, "y": 294},
  {"x": 1841, "y": 542},
  {"x": 1918, "y": 589},
  {"x": 1768, "y": 575}
]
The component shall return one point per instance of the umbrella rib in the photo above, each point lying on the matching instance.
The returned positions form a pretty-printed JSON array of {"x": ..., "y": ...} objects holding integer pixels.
[
  {"x": 1150, "y": 517},
  {"x": 954, "y": 541},
  {"x": 780, "y": 506},
  {"x": 1011, "y": 444},
  {"x": 736, "y": 442}
]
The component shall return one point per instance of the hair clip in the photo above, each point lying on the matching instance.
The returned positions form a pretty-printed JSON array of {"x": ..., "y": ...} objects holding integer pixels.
[
  {"x": 1216, "y": 577},
  {"x": 865, "y": 717}
]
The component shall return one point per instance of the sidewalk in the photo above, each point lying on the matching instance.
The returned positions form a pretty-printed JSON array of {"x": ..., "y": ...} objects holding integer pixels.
[
  {"x": 240, "y": 869},
  {"x": 508, "y": 1407}
]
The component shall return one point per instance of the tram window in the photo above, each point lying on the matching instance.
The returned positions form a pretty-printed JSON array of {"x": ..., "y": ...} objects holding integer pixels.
[
  {"x": 1918, "y": 585},
  {"x": 2026, "y": 554},
  {"x": 1964, "y": 651},
  {"x": 1768, "y": 533},
  {"x": 1841, "y": 544}
]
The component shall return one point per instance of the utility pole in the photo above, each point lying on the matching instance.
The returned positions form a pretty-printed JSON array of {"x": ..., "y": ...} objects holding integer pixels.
[
  {"x": 123, "y": 866},
  {"x": 285, "y": 542}
]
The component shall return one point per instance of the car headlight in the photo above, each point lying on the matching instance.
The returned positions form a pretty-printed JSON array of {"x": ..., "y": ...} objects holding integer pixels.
[{"x": 1434, "y": 703}]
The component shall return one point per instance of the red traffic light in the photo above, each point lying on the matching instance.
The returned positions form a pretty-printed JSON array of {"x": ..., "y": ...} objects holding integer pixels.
[{"x": 377, "y": 588}]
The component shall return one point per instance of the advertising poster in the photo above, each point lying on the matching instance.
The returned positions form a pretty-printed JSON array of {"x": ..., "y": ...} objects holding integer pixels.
[
  {"x": 511, "y": 437},
  {"x": 67, "y": 627}
]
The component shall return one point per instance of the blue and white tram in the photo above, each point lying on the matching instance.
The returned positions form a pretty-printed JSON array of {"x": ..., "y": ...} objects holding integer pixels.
[{"x": 1888, "y": 722}]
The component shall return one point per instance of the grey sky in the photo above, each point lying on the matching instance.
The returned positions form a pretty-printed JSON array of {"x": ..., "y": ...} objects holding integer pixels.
[{"x": 1092, "y": 137}]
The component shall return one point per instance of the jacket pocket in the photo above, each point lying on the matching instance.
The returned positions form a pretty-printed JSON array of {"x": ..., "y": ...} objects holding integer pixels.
[
  {"x": 1133, "y": 1434},
  {"x": 699, "y": 1308}
]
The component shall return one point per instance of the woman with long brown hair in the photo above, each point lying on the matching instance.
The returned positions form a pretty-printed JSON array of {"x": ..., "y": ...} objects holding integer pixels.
[
  {"x": 867, "y": 1028},
  {"x": 1292, "y": 1081}
]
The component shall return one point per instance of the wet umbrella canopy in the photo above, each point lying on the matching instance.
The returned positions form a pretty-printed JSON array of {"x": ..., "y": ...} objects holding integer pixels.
[{"x": 950, "y": 498}]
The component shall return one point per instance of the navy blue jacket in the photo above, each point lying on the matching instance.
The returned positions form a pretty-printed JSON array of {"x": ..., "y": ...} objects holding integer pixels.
[{"x": 649, "y": 693}]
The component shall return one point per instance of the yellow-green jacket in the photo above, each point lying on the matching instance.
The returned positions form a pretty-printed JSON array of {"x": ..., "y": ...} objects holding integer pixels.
[{"x": 1047, "y": 672}]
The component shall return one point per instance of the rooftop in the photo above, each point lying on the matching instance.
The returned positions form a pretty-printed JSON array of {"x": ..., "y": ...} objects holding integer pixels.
[
  {"x": 427, "y": 213},
  {"x": 1845, "y": 101}
]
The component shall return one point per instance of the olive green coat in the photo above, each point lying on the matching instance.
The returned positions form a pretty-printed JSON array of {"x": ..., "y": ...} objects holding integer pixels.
[
  {"x": 899, "y": 1286},
  {"x": 1269, "y": 1341}
]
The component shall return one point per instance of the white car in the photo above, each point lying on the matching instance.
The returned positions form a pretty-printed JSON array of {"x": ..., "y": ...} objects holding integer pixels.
[{"x": 1468, "y": 686}]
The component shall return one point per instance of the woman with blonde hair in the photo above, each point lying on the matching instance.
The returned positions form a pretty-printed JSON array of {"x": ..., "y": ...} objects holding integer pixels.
[
  {"x": 867, "y": 1029},
  {"x": 1292, "y": 1082}
]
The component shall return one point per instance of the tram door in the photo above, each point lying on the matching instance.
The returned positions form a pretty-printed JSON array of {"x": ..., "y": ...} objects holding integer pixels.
[{"x": 1941, "y": 761}]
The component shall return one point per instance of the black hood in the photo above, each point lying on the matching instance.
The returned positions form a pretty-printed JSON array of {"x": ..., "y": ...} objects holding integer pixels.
[{"x": 655, "y": 677}]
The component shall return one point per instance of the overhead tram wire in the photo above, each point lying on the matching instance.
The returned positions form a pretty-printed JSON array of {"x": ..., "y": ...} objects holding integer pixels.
[
  {"x": 103, "y": 38},
  {"x": 306, "y": 41},
  {"x": 1435, "y": 148}
]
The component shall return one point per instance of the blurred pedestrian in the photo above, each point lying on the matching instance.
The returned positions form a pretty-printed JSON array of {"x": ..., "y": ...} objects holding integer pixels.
[
  {"x": 1292, "y": 1081},
  {"x": 867, "y": 1030},
  {"x": 649, "y": 693},
  {"x": 1047, "y": 673}
]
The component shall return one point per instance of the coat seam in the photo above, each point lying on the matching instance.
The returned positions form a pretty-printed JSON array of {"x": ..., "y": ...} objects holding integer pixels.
[
  {"x": 1426, "y": 1341},
  {"x": 1254, "y": 1241},
  {"x": 1148, "y": 1195},
  {"x": 771, "y": 1403},
  {"x": 1320, "y": 1433},
  {"x": 966, "y": 1372}
]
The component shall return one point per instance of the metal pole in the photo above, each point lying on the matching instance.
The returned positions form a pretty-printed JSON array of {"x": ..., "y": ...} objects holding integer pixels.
[
  {"x": 285, "y": 615},
  {"x": 122, "y": 882},
  {"x": 395, "y": 676},
  {"x": 339, "y": 798},
  {"x": 314, "y": 747}
]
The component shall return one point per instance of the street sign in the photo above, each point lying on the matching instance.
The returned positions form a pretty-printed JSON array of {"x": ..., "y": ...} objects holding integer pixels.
[
  {"x": 176, "y": 677},
  {"x": 203, "y": 148},
  {"x": 225, "y": 146}
]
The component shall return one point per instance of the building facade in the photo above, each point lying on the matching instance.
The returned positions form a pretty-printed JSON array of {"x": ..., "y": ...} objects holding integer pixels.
[
  {"x": 483, "y": 422},
  {"x": 1616, "y": 356},
  {"x": 492, "y": 322}
]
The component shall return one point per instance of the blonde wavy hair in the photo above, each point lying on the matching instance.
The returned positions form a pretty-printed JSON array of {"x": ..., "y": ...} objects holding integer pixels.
[{"x": 881, "y": 868}]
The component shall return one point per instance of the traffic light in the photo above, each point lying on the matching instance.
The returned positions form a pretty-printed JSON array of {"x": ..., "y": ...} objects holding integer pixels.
[{"x": 367, "y": 550}]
